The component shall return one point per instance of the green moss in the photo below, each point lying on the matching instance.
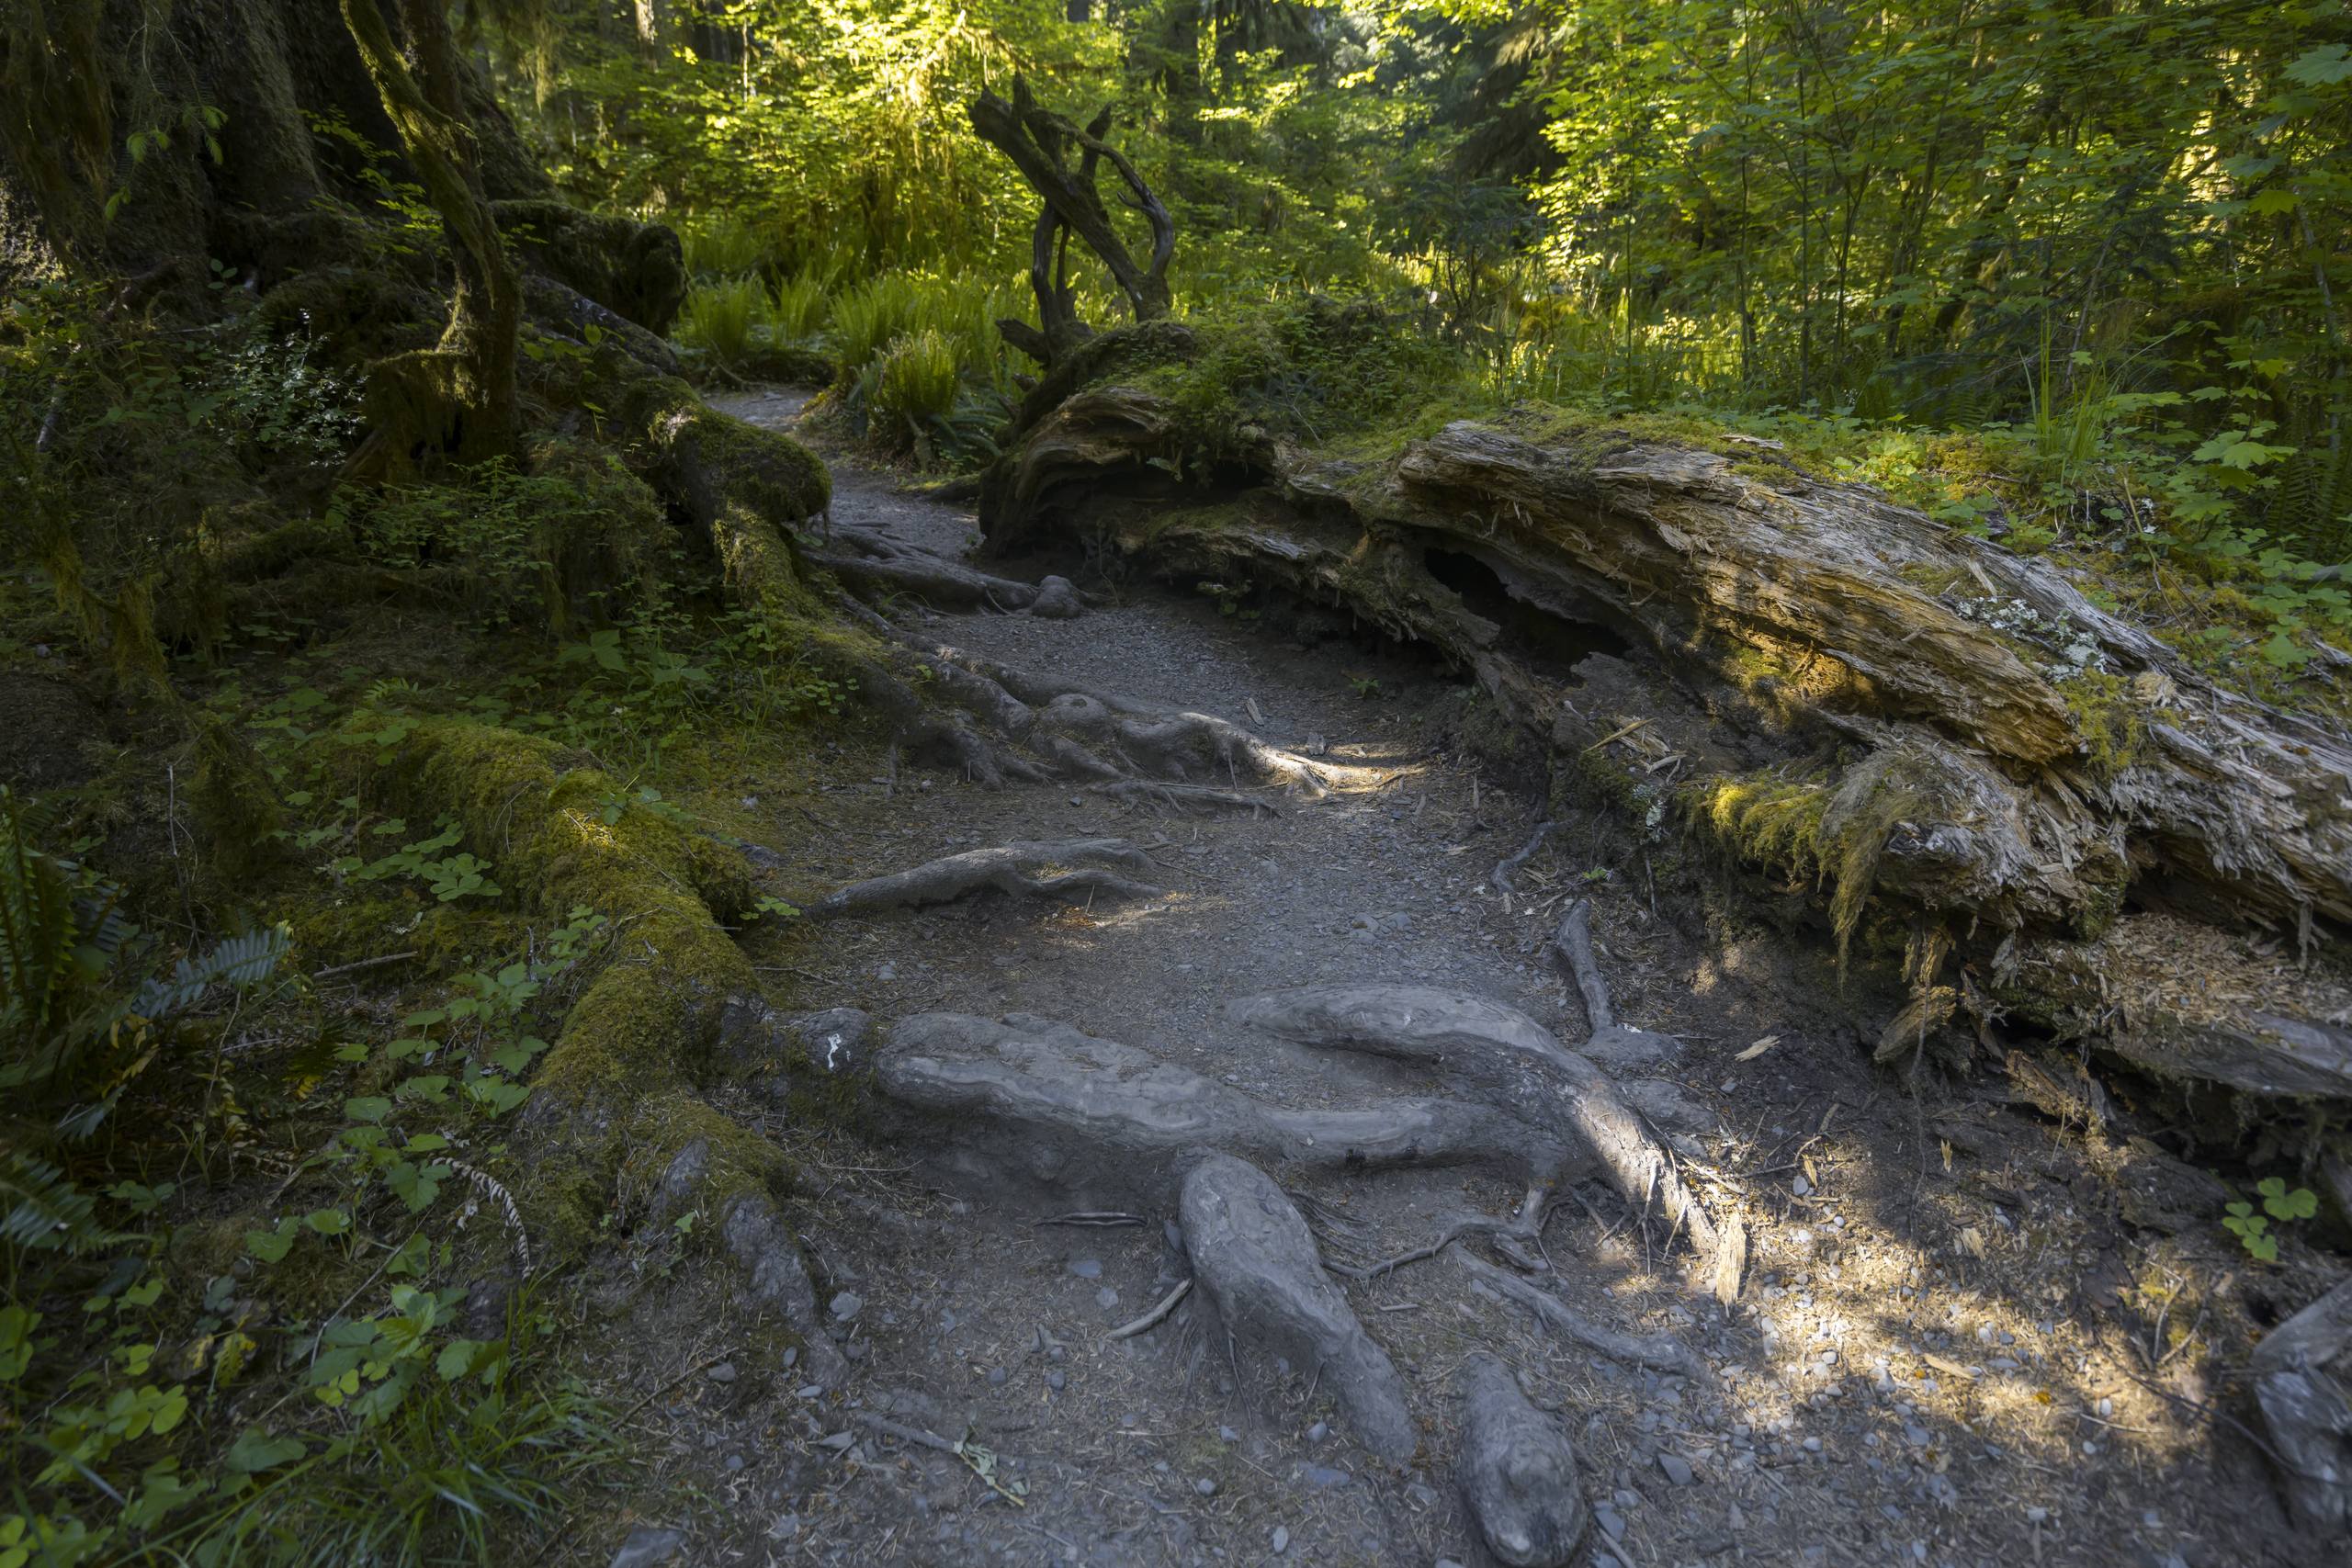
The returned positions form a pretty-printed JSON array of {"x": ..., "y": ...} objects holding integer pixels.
[
  {"x": 2111, "y": 723},
  {"x": 597, "y": 532},
  {"x": 370, "y": 920},
  {"x": 618, "y": 1077},
  {"x": 1853, "y": 831},
  {"x": 1809, "y": 829},
  {"x": 1765, "y": 820},
  {"x": 636, "y": 270},
  {"x": 1314, "y": 371}
]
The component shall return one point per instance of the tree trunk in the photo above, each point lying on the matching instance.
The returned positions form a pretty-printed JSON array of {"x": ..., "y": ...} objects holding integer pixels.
[
  {"x": 457, "y": 398},
  {"x": 1038, "y": 141}
]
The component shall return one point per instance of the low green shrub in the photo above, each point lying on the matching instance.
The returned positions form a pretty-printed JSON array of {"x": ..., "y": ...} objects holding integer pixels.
[
  {"x": 719, "y": 318},
  {"x": 798, "y": 308}
]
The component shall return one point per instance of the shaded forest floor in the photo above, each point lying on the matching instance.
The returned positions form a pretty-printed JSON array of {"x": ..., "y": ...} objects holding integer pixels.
[{"x": 1967, "y": 1333}]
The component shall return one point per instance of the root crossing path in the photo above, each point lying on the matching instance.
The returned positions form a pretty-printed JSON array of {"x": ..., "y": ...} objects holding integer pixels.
[{"x": 1246, "y": 1175}]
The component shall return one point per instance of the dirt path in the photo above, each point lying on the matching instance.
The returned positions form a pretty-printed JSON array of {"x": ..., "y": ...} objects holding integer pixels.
[{"x": 1914, "y": 1371}]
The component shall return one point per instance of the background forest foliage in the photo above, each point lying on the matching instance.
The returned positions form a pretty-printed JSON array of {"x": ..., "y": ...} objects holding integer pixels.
[{"x": 2067, "y": 271}]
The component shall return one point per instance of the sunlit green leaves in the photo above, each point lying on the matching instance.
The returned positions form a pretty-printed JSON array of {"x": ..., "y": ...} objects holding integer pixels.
[{"x": 2323, "y": 66}]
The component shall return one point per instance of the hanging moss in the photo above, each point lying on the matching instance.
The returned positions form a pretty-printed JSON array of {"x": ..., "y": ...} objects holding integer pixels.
[{"x": 1764, "y": 819}]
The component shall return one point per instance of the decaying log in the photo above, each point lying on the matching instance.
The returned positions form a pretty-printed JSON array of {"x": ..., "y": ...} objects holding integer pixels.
[{"x": 1935, "y": 732}]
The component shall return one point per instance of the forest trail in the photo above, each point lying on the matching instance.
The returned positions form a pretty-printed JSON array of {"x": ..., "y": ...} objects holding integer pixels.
[{"x": 1914, "y": 1368}]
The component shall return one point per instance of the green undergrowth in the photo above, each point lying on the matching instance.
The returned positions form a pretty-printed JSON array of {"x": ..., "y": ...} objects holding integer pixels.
[
  {"x": 270, "y": 1297},
  {"x": 387, "y": 882},
  {"x": 246, "y": 1317}
]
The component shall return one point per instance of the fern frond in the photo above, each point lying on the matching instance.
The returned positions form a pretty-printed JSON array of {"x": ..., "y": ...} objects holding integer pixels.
[
  {"x": 242, "y": 962},
  {"x": 39, "y": 929},
  {"x": 42, "y": 1211}
]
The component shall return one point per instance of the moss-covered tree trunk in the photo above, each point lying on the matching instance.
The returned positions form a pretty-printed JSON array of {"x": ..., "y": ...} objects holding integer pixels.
[{"x": 458, "y": 397}]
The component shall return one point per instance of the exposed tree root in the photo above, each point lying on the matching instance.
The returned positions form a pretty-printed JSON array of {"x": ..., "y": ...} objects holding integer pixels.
[
  {"x": 1618, "y": 1044},
  {"x": 1036, "y": 1100},
  {"x": 1509, "y": 863},
  {"x": 877, "y": 566},
  {"x": 1180, "y": 799},
  {"x": 1026, "y": 869},
  {"x": 1634, "y": 1349},
  {"x": 1138, "y": 738},
  {"x": 2302, "y": 1386},
  {"x": 1032, "y": 1098},
  {"x": 1517, "y": 1471},
  {"x": 1505, "y": 1236},
  {"x": 1504, "y": 1058},
  {"x": 1157, "y": 1314},
  {"x": 1256, "y": 1261}
]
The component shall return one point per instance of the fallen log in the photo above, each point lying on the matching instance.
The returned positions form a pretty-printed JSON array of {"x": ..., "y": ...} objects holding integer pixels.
[{"x": 1937, "y": 734}]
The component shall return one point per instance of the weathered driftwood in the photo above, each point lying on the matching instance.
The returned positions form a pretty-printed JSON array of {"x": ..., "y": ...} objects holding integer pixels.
[
  {"x": 1931, "y": 730},
  {"x": 1039, "y": 142}
]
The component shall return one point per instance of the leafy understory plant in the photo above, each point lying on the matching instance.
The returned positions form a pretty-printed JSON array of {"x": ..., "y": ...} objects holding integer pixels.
[
  {"x": 160, "y": 1414},
  {"x": 2254, "y": 1231}
]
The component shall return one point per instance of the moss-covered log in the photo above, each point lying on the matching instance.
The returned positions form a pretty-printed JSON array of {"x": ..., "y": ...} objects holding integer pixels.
[
  {"x": 1940, "y": 736},
  {"x": 618, "y": 1101}
]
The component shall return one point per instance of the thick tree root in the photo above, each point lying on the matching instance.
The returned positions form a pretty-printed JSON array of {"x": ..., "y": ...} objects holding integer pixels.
[
  {"x": 1517, "y": 1471},
  {"x": 1634, "y": 1349},
  {"x": 1256, "y": 1261},
  {"x": 1504, "y": 1058},
  {"x": 875, "y": 566},
  {"x": 1081, "y": 732},
  {"x": 1034, "y": 728},
  {"x": 1180, "y": 799},
  {"x": 1073, "y": 870},
  {"x": 1032, "y": 1098},
  {"x": 2302, "y": 1386}
]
